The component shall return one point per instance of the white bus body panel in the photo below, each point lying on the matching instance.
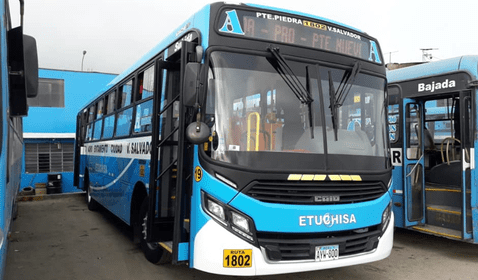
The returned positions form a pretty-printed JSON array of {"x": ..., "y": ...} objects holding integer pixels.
[{"x": 213, "y": 239}]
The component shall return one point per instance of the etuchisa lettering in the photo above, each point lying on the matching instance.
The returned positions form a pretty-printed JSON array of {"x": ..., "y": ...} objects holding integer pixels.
[{"x": 327, "y": 220}]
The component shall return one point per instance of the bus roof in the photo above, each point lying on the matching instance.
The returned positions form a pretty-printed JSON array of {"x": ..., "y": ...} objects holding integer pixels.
[
  {"x": 200, "y": 21},
  {"x": 467, "y": 63}
]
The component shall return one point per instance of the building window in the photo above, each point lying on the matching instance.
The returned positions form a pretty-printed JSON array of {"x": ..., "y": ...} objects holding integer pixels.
[
  {"x": 48, "y": 157},
  {"x": 51, "y": 93}
]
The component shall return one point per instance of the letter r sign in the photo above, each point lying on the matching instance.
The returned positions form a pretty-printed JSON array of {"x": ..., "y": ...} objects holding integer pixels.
[{"x": 396, "y": 156}]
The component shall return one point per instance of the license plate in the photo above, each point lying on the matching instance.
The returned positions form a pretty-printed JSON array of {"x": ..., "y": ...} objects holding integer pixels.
[
  {"x": 327, "y": 253},
  {"x": 237, "y": 258}
]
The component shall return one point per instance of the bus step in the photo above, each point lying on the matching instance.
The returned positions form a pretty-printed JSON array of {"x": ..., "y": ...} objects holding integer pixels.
[
  {"x": 168, "y": 245},
  {"x": 186, "y": 225},
  {"x": 443, "y": 195},
  {"x": 444, "y": 216},
  {"x": 183, "y": 249},
  {"x": 439, "y": 231}
]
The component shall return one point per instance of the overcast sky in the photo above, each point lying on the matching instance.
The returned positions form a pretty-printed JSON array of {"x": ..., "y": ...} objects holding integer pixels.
[{"x": 116, "y": 33}]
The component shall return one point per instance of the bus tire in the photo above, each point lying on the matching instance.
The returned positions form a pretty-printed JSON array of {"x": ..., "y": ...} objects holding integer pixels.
[
  {"x": 153, "y": 252},
  {"x": 15, "y": 210},
  {"x": 92, "y": 204}
]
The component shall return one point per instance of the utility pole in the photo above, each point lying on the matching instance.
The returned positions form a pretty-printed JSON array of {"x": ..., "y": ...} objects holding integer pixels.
[
  {"x": 426, "y": 55},
  {"x": 82, "y": 59},
  {"x": 390, "y": 56}
]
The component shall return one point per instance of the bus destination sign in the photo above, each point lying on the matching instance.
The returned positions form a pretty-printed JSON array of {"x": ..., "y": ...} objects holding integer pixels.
[{"x": 298, "y": 31}]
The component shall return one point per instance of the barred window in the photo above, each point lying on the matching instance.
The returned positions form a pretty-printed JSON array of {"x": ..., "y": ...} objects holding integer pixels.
[
  {"x": 51, "y": 93},
  {"x": 48, "y": 157}
]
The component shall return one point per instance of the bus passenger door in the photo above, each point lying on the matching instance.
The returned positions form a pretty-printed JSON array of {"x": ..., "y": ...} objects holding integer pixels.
[
  {"x": 466, "y": 135},
  {"x": 413, "y": 163}
]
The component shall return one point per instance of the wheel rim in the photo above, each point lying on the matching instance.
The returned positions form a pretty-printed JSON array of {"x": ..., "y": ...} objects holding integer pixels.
[
  {"x": 144, "y": 232},
  {"x": 88, "y": 194}
]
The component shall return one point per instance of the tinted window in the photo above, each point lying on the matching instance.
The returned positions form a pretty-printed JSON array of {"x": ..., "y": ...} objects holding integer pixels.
[
  {"x": 110, "y": 103},
  {"x": 90, "y": 132},
  {"x": 109, "y": 126},
  {"x": 92, "y": 113},
  {"x": 126, "y": 94},
  {"x": 143, "y": 117},
  {"x": 123, "y": 124},
  {"x": 98, "y": 126},
  {"x": 100, "y": 111},
  {"x": 146, "y": 87}
]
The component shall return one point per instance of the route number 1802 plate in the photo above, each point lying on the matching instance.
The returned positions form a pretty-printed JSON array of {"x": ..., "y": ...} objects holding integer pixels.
[
  {"x": 237, "y": 258},
  {"x": 327, "y": 253}
]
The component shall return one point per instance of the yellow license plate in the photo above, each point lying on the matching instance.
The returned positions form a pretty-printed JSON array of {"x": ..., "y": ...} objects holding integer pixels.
[{"x": 237, "y": 258}]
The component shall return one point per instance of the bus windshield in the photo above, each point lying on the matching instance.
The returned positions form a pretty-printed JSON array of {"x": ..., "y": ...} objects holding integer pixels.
[{"x": 255, "y": 110}]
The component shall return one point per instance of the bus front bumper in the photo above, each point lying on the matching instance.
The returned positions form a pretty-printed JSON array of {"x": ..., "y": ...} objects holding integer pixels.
[{"x": 212, "y": 242}]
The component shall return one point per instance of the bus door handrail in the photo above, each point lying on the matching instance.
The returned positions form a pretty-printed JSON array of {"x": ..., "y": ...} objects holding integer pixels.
[{"x": 258, "y": 121}]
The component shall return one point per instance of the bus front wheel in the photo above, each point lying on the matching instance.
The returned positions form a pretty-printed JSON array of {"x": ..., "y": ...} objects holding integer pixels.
[{"x": 153, "y": 252}]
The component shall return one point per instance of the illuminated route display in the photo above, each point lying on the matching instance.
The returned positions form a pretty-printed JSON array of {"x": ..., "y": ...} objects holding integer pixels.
[{"x": 298, "y": 31}]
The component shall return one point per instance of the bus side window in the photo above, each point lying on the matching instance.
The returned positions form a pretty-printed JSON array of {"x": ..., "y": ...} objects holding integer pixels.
[
  {"x": 92, "y": 113},
  {"x": 144, "y": 111},
  {"x": 109, "y": 127},
  {"x": 98, "y": 129},
  {"x": 126, "y": 94},
  {"x": 148, "y": 83},
  {"x": 89, "y": 132},
  {"x": 123, "y": 123},
  {"x": 393, "y": 111},
  {"x": 100, "y": 111},
  {"x": 83, "y": 121},
  {"x": 110, "y": 103},
  {"x": 109, "y": 122}
]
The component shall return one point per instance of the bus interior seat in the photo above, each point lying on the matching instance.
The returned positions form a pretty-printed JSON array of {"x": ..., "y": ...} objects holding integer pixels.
[{"x": 445, "y": 174}]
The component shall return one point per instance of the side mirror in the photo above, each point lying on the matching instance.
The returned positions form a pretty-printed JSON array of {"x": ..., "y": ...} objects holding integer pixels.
[
  {"x": 31, "y": 65},
  {"x": 23, "y": 70},
  {"x": 197, "y": 132},
  {"x": 190, "y": 84}
]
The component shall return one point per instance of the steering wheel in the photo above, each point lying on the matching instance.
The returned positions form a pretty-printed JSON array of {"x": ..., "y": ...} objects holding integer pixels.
[{"x": 448, "y": 140}]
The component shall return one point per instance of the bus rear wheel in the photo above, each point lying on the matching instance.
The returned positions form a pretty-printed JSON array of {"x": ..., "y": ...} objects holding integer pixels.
[{"x": 153, "y": 252}]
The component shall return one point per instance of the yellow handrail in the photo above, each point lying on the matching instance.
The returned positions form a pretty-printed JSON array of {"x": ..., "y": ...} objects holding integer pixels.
[{"x": 258, "y": 121}]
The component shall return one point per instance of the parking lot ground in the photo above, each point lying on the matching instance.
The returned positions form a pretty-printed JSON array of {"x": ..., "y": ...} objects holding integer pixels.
[{"x": 59, "y": 238}]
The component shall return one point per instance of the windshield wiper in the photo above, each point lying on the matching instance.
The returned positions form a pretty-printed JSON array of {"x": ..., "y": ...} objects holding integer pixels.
[
  {"x": 338, "y": 97},
  {"x": 333, "y": 105},
  {"x": 290, "y": 78},
  {"x": 346, "y": 84}
]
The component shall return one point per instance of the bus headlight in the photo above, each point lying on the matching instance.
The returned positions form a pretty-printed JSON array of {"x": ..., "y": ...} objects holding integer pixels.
[
  {"x": 230, "y": 218},
  {"x": 387, "y": 213},
  {"x": 240, "y": 221},
  {"x": 216, "y": 209}
]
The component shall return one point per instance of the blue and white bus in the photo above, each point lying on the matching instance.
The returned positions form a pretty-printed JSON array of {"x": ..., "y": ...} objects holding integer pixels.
[
  {"x": 227, "y": 146},
  {"x": 18, "y": 81},
  {"x": 432, "y": 123}
]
